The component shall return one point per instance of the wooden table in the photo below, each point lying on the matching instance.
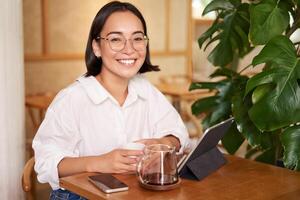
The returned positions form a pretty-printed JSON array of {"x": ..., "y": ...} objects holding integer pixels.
[{"x": 238, "y": 179}]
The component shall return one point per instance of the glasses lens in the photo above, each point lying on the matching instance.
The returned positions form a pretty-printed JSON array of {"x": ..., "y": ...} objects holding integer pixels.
[
  {"x": 139, "y": 41},
  {"x": 116, "y": 42}
]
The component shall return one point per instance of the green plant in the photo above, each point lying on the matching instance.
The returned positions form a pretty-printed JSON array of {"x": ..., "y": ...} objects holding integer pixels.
[{"x": 266, "y": 107}]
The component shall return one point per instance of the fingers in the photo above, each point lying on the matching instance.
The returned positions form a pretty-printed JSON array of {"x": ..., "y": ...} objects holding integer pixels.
[
  {"x": 130, "y": 157},
  {"x": 126, "y": 153},
  {"x": 127, "y": 168},
  {"x": 129, "y": 160},
  {"x": 127, "y": 164},
  {"x": 126, "y": 160}
]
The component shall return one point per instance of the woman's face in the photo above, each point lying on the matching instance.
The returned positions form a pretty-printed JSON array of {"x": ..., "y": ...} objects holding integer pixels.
[{"x": 121, "y": 63}]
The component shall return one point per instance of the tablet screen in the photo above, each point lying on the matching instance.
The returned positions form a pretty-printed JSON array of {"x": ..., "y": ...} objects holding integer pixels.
[{"x": 209, "y": 140}]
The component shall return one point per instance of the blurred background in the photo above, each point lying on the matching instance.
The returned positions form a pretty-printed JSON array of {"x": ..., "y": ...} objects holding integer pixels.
[{"x": 55, "y": 36}]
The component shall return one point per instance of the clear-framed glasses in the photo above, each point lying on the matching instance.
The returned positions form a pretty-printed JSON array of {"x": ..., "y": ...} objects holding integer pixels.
[{"x": 118, "y": 41}]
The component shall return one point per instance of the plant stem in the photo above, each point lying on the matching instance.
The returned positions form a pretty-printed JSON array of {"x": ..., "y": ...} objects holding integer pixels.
[
  {"x": 245, "y": 68},
  {"x": 235, "y": 62},
  {"x": 298, "y": 49}
]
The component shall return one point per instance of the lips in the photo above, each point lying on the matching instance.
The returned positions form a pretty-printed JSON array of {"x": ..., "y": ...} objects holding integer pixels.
[{"x": 126, "y": 61}]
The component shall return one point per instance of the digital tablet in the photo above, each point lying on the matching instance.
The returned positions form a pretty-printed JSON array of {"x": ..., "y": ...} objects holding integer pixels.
[{"x": 208, "y": 141}]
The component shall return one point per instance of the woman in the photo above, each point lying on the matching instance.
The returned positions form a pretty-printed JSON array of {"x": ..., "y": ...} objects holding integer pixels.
[{"x": 113, "y": 104}]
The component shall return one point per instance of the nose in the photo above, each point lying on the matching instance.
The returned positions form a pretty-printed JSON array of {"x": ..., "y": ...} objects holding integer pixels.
[{"x": 128, "y": 48}]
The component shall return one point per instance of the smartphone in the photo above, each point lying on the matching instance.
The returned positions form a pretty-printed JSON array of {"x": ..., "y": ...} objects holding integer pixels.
[{"x": 108, "y": 183}]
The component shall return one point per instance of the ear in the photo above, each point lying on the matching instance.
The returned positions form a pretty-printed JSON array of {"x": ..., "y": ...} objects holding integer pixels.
[{"x": 96, "y": 48}]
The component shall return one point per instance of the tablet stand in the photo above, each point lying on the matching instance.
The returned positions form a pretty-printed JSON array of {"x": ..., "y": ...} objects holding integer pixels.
[{"x": 203, "y": 165}]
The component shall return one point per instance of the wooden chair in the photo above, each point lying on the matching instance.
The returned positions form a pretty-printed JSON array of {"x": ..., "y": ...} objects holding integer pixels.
[
  {"x": 40, "y": 103},
  {"x": 28, "y": 179},
  {"x": 36, "y": 105}
]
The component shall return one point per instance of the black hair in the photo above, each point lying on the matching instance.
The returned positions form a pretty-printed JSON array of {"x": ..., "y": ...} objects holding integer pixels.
[{"x": 93, "y": 63}]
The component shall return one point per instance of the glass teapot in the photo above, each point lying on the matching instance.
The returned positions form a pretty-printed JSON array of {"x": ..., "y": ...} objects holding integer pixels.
[{"x": 158, "y": 166}]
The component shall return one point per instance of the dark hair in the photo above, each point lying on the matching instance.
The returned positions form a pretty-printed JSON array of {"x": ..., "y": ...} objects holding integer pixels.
[{"x": 93, "y": 63}]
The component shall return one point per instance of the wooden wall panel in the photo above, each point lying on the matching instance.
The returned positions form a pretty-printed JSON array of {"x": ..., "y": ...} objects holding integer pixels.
[
  {"x": 51, "y": 76},
  {"x": 178, "y": 25},
  {"x": 201, "y": 66},
  {"x": 169, "y": 65},
  {"x": 32, "y": 22},
  {"x": 69, "y": 24},
  {"x": 63, "y": 29},
  {"x": 154, "y": 14}
]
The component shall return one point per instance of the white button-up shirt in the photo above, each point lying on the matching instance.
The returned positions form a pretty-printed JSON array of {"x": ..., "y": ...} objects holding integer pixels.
[{"x": 85, "y": 120}]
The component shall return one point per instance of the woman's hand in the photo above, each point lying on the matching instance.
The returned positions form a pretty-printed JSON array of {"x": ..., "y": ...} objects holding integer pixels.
[{"x": 116, "y": 161}]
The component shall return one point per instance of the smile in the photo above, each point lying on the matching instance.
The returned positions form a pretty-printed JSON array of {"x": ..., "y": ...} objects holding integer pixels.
[{"x": 127, "y": 61}]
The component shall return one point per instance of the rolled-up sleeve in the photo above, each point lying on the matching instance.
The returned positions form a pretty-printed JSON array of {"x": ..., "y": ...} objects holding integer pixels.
[
  {"x": 171, "y": 124},
  {"x": 56, "y": 138},
  {"x": 167, "y": 121}
]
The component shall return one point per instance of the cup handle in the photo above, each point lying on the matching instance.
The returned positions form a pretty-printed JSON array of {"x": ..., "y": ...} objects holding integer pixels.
[{"x": 139, "y": 168}]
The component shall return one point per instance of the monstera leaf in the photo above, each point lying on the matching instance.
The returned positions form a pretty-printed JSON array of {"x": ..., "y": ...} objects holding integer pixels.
[
  {"x": 291, "y": 143},
  {"x": 268, "y": 19},
  {"x": 266, "y": 107},
  {"x": 232, "y": 140},
  {"x": 280, "y": 106},
  {"x": 231, "y": 29},
  {"x": 218, "y": 107},
  {"x": 240, "y": 107}
]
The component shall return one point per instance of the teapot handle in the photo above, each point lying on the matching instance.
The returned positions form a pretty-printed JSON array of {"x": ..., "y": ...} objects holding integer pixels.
[{"x": 139, "y": 168}]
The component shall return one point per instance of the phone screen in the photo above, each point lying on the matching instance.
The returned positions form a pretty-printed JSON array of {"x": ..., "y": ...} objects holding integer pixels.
[{"x": 108, "y": 183}]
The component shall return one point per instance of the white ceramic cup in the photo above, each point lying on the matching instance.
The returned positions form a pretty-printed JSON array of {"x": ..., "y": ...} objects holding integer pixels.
[{"x": 134, "y": 146}]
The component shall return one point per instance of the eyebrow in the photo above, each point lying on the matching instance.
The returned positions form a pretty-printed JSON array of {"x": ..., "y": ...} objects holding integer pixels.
[{"x": 120, "y": 33}]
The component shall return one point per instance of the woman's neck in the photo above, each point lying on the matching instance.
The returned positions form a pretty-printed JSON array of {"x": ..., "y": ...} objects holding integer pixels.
[{"x": 117, "y": 87}]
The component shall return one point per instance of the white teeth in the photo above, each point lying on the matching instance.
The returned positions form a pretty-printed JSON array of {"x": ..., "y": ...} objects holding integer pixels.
[{"x": 127, "y": 62}]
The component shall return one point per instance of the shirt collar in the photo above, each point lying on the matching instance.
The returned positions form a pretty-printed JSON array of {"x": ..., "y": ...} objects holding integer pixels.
[
  {"x": 137, "y": 86},
  {"x": 94, "y": 89},
  {"x": 97, "y": 93}
]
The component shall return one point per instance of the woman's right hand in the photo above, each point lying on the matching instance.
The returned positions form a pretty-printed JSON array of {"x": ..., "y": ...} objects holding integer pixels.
[{"x": 116, "y": 161}]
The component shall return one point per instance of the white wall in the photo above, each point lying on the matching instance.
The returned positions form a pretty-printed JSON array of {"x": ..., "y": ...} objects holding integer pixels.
[{"x": 11, "y": 99}]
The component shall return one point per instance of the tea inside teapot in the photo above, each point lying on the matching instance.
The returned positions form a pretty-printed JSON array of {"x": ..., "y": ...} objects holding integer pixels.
[{"x": 158, "y": 166}]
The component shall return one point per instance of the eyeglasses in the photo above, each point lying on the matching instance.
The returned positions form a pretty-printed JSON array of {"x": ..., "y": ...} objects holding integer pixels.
[{"x": 117, "y": 42}]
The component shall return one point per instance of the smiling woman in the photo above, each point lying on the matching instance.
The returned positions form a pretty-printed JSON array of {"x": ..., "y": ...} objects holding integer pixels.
[
  {"x": 121, "y": 60},
  {"x": 90, "y": 121}
]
